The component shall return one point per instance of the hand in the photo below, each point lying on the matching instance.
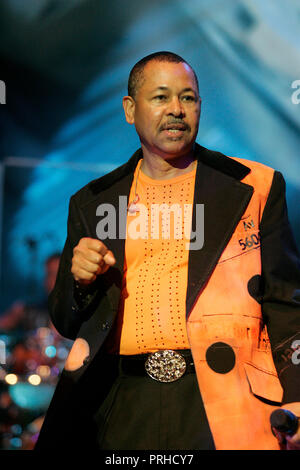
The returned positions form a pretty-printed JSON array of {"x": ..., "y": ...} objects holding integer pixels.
[
  {"x": 90, "y": 258},
  {"x": 290, "y": 442}
]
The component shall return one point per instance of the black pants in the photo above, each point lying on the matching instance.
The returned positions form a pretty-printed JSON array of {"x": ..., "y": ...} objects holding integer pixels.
[{"x": 140, "y": 413}]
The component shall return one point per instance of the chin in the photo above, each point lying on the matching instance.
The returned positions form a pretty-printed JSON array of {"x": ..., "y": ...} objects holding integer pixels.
[{"x": 176, "y": 149}]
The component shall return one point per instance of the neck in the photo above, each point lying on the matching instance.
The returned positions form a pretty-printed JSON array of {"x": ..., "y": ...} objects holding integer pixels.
[{"x": 160, "y": 168}]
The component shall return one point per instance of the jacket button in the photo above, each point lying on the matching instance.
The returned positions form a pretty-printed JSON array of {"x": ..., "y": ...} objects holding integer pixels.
[{"x": 105, "y": 326}]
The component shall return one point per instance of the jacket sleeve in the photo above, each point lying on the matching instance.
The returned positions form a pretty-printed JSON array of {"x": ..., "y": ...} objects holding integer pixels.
[
  {"x": 69, "y": 305},
  {"x": 281, "y": 280}
]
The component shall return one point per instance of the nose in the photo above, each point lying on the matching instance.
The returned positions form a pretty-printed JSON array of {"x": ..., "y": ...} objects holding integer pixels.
[{"x": 176, "y": 107}]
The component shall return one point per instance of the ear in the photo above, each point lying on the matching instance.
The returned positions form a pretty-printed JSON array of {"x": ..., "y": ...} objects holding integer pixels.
[{"x": 129, "y": 108}]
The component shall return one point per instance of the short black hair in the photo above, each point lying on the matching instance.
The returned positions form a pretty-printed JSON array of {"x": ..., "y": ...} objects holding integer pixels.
[{"x": 136, "y": 73}]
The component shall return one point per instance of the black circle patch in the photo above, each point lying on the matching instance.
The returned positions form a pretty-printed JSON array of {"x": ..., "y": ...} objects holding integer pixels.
[
  {"x": 220, "y": 357},
  {"x": 256, "y": 288}
]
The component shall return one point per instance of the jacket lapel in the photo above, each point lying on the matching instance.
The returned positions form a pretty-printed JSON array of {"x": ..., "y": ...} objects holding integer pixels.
[
  {"x": 225, "y": 199},
  {"x": 217, "y": 187}
]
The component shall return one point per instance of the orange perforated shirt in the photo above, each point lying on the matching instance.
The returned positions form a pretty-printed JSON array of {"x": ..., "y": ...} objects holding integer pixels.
[{"x": 152, "y": 308}]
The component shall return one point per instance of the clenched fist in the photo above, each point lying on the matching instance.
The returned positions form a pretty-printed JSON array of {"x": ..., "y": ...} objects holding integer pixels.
[{"x": 90, "y": 258}]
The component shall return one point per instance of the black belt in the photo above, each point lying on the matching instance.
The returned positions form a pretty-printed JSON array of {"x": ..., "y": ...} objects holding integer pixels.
[{"x": 163, "y": 366}]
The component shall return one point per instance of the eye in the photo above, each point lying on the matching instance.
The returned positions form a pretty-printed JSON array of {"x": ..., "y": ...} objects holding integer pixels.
[
  {"x": 188, "y": 98},
  {"x": 160, "y": 97}
]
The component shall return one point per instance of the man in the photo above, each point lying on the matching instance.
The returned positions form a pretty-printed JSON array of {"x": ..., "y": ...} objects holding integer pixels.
[
  {"x": 173, "y": 335},
  {"x": 24, "y": 317}
]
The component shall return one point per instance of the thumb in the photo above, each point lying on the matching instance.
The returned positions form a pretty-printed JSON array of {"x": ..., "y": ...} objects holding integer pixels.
[{"x": 109, "y": 258}]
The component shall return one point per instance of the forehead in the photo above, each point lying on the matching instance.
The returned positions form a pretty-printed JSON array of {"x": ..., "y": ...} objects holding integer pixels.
[{"x": 167, "y": 74}]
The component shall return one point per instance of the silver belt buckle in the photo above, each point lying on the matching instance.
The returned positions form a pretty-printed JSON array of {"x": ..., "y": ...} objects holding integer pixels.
[{"x": 165, "y": 365}]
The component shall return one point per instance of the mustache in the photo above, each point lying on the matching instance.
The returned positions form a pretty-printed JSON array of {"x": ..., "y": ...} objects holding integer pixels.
[{"x": 175, "y": 123}]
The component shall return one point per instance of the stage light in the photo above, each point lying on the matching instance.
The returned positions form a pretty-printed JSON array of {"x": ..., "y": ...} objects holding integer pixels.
[
  {"x": 16, "y": 429},
  {"x": 44, "y": 371},
  {"x": 34, "y": 379},
  {"x": 11, "y": 379},
  {"x": 50, "y": 351},
  {"x": 62, "y": 353},
  {"x": 55, "y": 370},
  {"x": 16, "y": 442},
  {"x": 43, "y": 332}
]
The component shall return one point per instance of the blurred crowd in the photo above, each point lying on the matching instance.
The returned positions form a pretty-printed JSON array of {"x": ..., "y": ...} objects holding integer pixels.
[{"x": 32, "y": 356}]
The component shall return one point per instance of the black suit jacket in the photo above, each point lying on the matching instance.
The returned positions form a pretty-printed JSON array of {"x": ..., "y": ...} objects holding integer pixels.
[{"x": 225, "y": 196}]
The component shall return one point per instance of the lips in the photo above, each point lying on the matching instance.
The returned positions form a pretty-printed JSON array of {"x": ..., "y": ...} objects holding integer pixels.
[{"x": 175, "y": 127}]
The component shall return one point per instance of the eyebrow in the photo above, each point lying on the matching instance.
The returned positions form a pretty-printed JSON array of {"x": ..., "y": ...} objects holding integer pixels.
[{"x": 164, "y": 88}]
